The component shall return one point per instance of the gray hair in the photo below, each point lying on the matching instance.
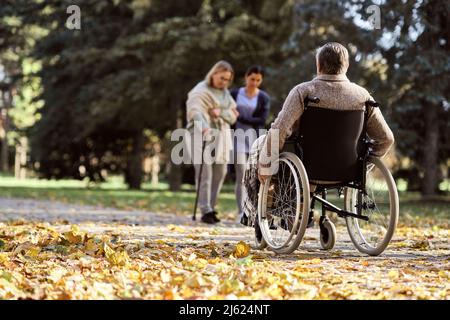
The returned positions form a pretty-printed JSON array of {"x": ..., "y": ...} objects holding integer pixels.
[{"x": 332, "y": 58}]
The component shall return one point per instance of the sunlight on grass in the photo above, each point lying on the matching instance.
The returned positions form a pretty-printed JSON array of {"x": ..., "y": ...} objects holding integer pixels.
[{"x": 114, "y": 193}]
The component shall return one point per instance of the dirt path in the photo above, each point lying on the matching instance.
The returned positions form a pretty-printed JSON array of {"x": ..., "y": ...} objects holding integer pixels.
[{"x": 416, "y": 265}]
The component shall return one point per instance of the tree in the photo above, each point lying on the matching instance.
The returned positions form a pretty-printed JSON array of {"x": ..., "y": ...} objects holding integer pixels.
[
  {"x": 131, "y": 73},
  {"x": 417, "y": 54},
  {"x": 19, "y": 85}
]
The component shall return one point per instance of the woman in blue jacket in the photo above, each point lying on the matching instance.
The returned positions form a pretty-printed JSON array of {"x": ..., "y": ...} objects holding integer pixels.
[{"x": 253, "y": 105}]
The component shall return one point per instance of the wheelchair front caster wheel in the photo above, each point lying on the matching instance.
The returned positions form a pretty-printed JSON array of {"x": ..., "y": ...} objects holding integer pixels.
[
  {"x": 260, "y": 243},
  {"x": 327, "y": 234}
]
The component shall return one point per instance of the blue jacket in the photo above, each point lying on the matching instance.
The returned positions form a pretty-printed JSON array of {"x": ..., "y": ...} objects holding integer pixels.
[{"x": 261, "y": 113}]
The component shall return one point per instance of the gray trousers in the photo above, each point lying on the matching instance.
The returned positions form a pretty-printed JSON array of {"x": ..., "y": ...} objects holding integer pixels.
[
  {"x": 239, "y": 165},
  {"x": 211, "y": 182}
]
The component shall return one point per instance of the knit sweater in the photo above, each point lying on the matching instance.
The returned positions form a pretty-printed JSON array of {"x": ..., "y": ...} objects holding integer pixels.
[
  {"x": 201, "y": 99},
  {"x": 261, "y": 113},
  {"x": 335, "y": 92}
]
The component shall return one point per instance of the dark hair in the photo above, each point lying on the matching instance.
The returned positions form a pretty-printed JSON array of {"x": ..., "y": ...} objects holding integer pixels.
[{"x": 255, "y": 69}]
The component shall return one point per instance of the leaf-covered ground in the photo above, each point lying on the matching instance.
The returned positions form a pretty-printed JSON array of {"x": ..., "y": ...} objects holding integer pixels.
[{"x": 50, "y": 250}]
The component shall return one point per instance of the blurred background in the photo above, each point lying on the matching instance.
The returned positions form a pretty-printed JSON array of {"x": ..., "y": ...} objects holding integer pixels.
[{"x": 88, "y": 105}]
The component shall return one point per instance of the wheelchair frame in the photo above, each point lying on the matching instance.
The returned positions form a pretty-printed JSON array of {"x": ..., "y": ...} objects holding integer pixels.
[
  {"x": 352, "y": 174},
  {"x": 360, "y": 184}
]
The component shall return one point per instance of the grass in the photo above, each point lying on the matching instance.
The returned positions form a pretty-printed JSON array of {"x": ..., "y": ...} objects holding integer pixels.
[
  {"x": 158, "y": 198},
  {"x": 112, "y": 193}
]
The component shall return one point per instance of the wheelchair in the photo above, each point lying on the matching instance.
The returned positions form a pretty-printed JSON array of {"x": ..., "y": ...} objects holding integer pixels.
[{"x": 329, "y": 151}]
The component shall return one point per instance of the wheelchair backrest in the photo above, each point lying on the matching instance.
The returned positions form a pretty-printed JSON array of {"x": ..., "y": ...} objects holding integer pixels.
[{"x": 331, "y": 143}]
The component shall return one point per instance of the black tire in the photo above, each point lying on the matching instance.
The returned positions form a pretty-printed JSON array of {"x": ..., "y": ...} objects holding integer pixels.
[
  {"x": 380, "y": 204},
  {"x": 327, "y": 235}
]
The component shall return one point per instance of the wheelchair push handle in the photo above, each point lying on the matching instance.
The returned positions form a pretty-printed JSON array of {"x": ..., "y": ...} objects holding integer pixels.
[
  {"x": 312, "y": 99},
  {"x": 372, "y": 103}
]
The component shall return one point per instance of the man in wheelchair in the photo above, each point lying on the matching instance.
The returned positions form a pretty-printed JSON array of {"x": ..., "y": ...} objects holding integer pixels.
[{"x": 329, "y": 132}]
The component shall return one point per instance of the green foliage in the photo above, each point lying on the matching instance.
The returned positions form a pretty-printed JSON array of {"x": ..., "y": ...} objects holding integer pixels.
[
  {"x": 417, "y": 89},
  {"x": 104, "y": 84},
  {"x": 131, "y": 65}
]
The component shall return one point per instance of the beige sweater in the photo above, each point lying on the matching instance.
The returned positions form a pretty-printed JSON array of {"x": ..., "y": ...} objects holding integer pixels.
[
  {"x": 201, "y": 99},
  {"x": 336, "y": 92}
]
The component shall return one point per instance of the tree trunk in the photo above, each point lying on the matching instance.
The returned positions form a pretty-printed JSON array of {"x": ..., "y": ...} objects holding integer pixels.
[
  {"x": 175, "y": 171},
  {"x": 134, "y": 173},
  {"x": 6, "y": 96},
  {"x": 430, "y": 159},
  {"x": 20, "y": 163},
  {"x": 155, "y": 170}
]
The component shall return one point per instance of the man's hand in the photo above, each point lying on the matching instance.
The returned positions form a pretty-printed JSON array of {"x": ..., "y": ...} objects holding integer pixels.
[{"x": 262, "y": 178}]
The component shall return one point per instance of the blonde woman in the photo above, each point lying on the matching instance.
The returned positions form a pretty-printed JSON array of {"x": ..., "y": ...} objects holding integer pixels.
[{"x": 210, "y": 107}]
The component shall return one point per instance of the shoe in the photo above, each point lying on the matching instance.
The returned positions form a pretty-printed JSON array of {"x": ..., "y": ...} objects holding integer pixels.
[
  {"x": 244, "y": 220},
  {"x": 272, "y": 225},
  {"x": 286, "y": 225},
  {"x": 215, "y": 216},
  {"x": 258, "y": 233},
  {"x": 209, "y": 218},
  {"x": 310, "y": 220}
]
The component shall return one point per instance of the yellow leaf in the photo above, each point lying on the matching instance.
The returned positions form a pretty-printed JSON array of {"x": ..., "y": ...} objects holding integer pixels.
[
  {"x": 192, "y": 257},
  {"x": 93, "y": 247},
  {"x": 421, "y": 245},
  {"x": 57, "y": 274},
  {"x": 33, "y": 252},
  {"x": 175, "y": 228},
  {"x": 393, "y": 274},
  {"x": 231, "y": 286},
  {"x": 165, "y": 276},
  {"x": 195, "y": 281},
  {"x": 119, "y": 258},
  {"x": 215, "y": 231},
  {"x": 241, "y": 250},
  {"x": 3, "y": 257},
  {"x": 316, "y": 260},
  {"x": 168, "y": 295},
  {"x": 27, "y": 249},
  {"x": 75, "y": 236}
]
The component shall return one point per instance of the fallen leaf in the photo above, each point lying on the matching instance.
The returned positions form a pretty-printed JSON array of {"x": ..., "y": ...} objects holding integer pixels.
[
  {"x": 241, "y": 250},
  {"x": 115, "y": 258},
  {"x": 393, "y": 274},
  {"x": 74, "y": 236}
]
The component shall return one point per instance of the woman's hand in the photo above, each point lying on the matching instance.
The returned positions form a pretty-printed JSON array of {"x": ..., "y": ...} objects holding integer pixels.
[
  {"x": 214, "y": 113},
  {"x": 235, "y": 111}
]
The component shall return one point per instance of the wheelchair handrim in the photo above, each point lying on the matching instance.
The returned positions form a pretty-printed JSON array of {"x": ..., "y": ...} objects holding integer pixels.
[
  {"x": 353, "y": 224},
  {"x": 264, "y": 224}
]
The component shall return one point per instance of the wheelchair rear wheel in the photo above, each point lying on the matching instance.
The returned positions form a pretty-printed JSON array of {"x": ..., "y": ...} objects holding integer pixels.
[
  {"x": 283, "y": 206},
  {"x": 380, "y": 205}
]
